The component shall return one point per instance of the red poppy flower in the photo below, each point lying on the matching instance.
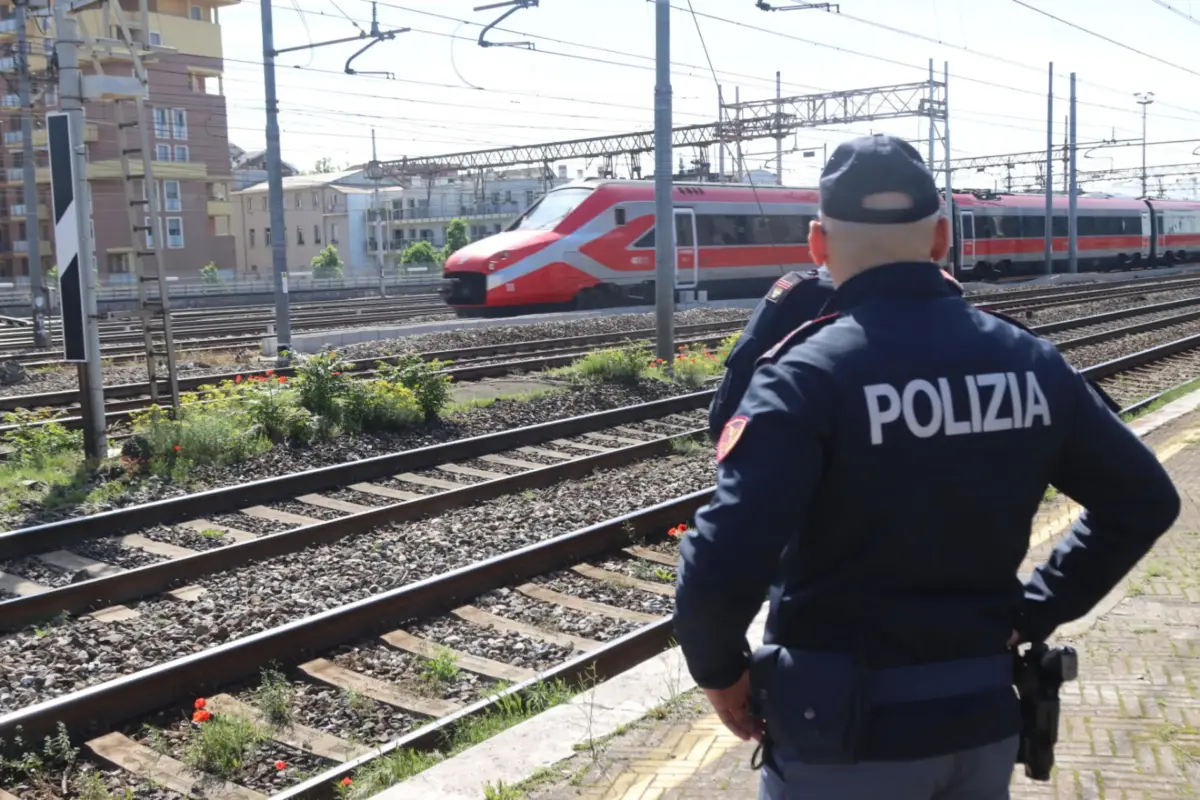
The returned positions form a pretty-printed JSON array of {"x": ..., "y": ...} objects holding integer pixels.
[
  {"x": 346, "y": 781},
  {"x": 178, "y": 448},
  {"x": 200, "y": 703},
  {"x": 201, "y": 716},
  {"x": 282, "y": 379},
  {"x": 238, "y": 379},
  {"x": 280, "y": 765},
  {"x": 270, "y": 372},
  {"x": 337, "y": 374}
]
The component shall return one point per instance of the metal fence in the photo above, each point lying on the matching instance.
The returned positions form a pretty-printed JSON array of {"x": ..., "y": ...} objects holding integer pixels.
[{"x": 15, "y": 291}]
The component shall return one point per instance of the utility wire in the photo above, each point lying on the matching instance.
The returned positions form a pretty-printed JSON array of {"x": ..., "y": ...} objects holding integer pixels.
[
  {"x": 1175, "y": 10},
  {"x": 1105, "y": 38}
]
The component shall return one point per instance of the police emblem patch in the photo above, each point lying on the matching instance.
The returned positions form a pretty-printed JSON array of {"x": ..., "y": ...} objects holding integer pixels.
[
  {"x": 730, "y": 435},
  {"x": 781, "y": 286}
]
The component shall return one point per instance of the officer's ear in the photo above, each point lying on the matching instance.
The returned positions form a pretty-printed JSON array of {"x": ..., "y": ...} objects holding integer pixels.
[
  {"x": 818, "y": 245},
  {"x": 941, "y": 240}
]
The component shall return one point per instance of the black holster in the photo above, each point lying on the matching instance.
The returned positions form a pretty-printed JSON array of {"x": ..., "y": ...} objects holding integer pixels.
[{"x": 1038, "y": 674}]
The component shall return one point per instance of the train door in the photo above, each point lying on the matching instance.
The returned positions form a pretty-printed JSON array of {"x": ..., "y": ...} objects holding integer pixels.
[
  {"x": 966, "y": 238},
  {"x": 1147, "y": 233},
  {"x": 687, "y": 251},
  {"x": 1160, "y": 237}
]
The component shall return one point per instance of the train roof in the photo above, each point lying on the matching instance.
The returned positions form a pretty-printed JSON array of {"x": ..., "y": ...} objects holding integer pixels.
[
  {"x": 1039, "y": 201},
  {"x": 1176, "y": 205}
]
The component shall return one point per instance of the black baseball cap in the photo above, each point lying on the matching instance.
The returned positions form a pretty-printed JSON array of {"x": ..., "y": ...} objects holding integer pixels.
[{"x": 872, "y": 165}]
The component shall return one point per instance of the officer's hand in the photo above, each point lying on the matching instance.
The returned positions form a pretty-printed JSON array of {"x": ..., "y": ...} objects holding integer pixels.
[
  {"x": 1014, "y": 640},
  {"x": 733, "y": 707}
]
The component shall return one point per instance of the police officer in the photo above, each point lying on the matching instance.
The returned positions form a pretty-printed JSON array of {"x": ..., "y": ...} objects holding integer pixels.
[
  {"x": 879, "y": 477},
  {"x": 793, "y": 300}
]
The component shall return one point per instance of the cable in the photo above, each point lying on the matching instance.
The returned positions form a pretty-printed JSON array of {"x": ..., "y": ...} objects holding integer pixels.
[
  {"x": 1105, "y": 38},
  {"x": 1174, "y": 10}
]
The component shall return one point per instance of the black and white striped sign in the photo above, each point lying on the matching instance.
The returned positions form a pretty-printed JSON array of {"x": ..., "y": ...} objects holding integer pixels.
[{"x": 66, "y": 237}]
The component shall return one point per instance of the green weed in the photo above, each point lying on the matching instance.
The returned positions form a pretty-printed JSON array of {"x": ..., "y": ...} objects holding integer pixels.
[
  {"x": 430, "y": 388},
  {"x": 627, "y": 364},
  {"x": 442, "y": 668},
  {"x": 274, "y": 697},
  {"x": 223, "y": 745}
]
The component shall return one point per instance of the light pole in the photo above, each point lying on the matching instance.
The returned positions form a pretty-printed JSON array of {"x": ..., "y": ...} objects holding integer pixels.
[{"x": 1144, "y": 99}]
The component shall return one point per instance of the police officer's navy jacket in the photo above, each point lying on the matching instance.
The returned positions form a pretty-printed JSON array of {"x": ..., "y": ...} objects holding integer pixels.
[
  {"x": 880, "y": 477},
  {"x": 793, "y": 300}
]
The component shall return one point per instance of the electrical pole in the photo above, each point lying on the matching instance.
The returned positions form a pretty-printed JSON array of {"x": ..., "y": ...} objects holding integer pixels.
[
  {"x": 664, "y": 188},
  {"x": 720, "y": 135},
  {"x": 949, "y": 174},
  {"x": 1049, "y": 254},
  {"x": 33, "y": 229},
  {"x": 932, "y": 120},
  {"x": 375, "y": 172},
  {"x": 283, "y": 322},
  {"x": 1073, "y": 190},
  {"x": 91, "y": 379},
  {"x": 283, "y": 319},
  {"x": 779, "y": 123},
  {"x": 1144, "y": 99}
]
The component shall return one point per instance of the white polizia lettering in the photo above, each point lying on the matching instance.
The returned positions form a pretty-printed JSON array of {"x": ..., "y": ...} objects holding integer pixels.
[{"x": 966, "y": 404}]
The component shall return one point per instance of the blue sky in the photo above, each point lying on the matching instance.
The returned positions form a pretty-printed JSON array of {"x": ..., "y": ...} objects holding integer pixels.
[{"x": 592, "y": 74}]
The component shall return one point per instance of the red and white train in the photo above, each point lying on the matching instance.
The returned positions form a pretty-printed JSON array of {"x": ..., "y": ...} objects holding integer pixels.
[{"x": 591, "y": 244}]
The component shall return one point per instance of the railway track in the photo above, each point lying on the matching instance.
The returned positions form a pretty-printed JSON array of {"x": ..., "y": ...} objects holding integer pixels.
[
  {"x": 549, "y": 583},
  {"x": 378, "y": 646},
  {"x": 1041, "y": 302},
  {"x": 227, "y": 333},
  {"x": 540, "y": 354}
]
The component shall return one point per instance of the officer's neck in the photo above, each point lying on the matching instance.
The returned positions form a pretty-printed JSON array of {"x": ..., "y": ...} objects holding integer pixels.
[{"x": 841, "y": 274}]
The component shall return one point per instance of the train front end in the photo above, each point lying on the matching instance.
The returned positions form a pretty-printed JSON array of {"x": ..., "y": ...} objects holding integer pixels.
[{"x": 521, "y": 268}]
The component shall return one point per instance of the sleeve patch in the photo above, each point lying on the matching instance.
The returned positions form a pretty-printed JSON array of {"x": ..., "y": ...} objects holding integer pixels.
[
  {"x": 780, "y": 288},
  {"x": 730, "y": 435}
]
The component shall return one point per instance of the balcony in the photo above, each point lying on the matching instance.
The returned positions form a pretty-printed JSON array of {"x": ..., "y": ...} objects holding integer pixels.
[
  {"x": 91, "y": 133},
  {"x": 8, "y": 26},
  {"x": 22, "y": 246},
  {"x": 219, "y": 208},
  {"x": 18, "y": 210},
  {"x": 188, "y": 36},
  {"x": 11, "y": 101},
  {"x": 14, "y": 174},
  {"x": 449, "y": 210}
]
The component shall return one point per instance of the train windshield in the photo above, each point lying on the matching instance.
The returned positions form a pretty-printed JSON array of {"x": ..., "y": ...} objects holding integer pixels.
[{"x": 550, "y": 210}]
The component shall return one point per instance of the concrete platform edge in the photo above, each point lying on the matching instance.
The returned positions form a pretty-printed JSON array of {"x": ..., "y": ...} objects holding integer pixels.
[{"x": 518, "y": 753}]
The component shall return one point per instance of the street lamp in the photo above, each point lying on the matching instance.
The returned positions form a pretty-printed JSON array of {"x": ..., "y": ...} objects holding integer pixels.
[{"x": 1144, "y": 99}]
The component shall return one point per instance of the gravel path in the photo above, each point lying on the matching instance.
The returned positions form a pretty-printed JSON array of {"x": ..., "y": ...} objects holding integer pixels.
[
  {"x": 516, "y": 606},
  {"x": 504, "y": 414},
  {"x": 1086, "y": 309},
  {"x": 1088, "y": 330},
  {"x": 1106, "y": 351},
  {"x": 608, "y": 593},
  {"x": 269, "y": 593},
  {"x": 505, "y": 647}
]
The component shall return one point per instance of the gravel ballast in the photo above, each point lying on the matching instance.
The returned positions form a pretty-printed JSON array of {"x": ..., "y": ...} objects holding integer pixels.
[
  {"x": 503, "y": 414},
  {"x": 512, "y": 604},
  {"x": 246, "y": 600}
]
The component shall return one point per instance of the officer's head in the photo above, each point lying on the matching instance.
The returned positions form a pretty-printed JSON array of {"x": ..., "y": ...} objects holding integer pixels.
[{"x": 879, "y": 205}]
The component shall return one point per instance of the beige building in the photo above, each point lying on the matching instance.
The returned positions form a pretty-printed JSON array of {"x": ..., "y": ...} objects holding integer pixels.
[
  {"x": 318, "y": 211},
  {"x": 186, "y": 118}
]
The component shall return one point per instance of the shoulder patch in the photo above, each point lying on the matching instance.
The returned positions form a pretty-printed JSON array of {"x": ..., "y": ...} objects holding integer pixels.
[
  {"x": 730, "y": 435},
  {"x": 954, "y": 284},
  {"x": 797, "y": 336},
  {"x": 784, "y": 285}
]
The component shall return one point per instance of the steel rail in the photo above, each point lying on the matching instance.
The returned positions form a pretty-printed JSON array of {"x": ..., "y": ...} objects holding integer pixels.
[
  {"x": 1141, "y": 358},
  {"x": 1112, "y": 316},
  {"x": 129, "y": 585},
  {"x": 55, "y": 535},
  {"x": 117, "y": 391},
  {"x": 1085, "y": 297},
  {"x": 1127, "y": 330},
  {"x": 108, "y": 705}
]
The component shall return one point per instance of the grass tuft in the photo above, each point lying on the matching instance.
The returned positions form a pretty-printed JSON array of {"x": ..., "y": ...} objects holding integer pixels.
[{"x": 223, "y": 745}]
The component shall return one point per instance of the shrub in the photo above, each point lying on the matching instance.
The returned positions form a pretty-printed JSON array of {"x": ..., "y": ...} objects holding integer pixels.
[
  {"x": 431, "y": 388},
  {"x": 322, "y": 382},
  {"x": 624, "y": 365},
  {"x": 380, "y": 405},
  {"x": 223, "y": 745},
  {"x": 694, "y": 365},
  {"x": 327, "y": 265},
  {"x": 34, "y": 445},
  {"x": 210, "y": 274}
]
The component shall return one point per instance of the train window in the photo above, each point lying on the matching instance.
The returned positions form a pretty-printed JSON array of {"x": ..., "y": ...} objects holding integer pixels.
[
  {"x": 619, "y": 216},
  {"x": 683, "y": 231},
  {"x": 784, "y": 229},
  {"x": 647, "y": 240},
  {"x": 1087, "y": 225},
  {"x": 968, "y": 227},
  {"x": 985, "y": 228},
  {"x": 1033, "y": 227},
  {"x": 1058, "y": 226}
]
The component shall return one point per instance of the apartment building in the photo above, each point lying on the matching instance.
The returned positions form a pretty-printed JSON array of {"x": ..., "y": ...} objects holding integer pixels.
[
  {"x": 186, "y": 120},
  {"x": 487, "y": 203},
  {"x": 318, "y": 211}
]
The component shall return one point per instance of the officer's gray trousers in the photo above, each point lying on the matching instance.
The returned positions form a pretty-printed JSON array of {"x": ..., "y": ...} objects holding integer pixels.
[{"x": 979, "y": 774}]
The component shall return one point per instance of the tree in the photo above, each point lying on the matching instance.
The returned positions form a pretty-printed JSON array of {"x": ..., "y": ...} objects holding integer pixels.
[
  {"x": 456, "y": 238},
  {"x": 326, "y": 265},
  {"x": 324, "y": 165},
  {"x": 209, "y": 273},
  {"x": 420, "y": 253}
]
